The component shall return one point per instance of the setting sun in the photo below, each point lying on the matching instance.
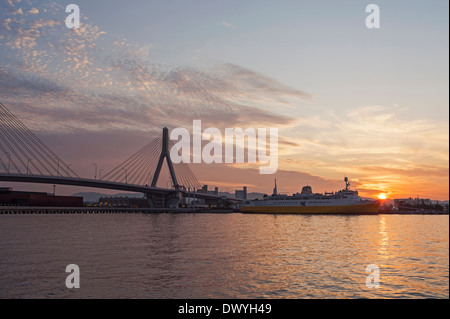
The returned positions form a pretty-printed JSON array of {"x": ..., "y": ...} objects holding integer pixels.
[{"x": 382, "y": 196}]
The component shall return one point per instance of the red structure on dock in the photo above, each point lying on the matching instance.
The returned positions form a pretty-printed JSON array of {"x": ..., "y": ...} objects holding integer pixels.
[{"x": 8, "y": 197}]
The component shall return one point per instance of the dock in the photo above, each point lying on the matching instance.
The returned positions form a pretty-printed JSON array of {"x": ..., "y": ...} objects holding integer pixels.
[{"x": 23, "y": 210}]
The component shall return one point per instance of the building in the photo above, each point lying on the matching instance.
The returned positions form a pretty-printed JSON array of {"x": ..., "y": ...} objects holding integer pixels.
[
  {"x": 114, "y": 201},
  {"x": 420, "y": 204},
  {"x": 205, "y": 190},
  {"x": 412, "y": 202},
  {"x": 241, "y": 194},
  {"x": 8, "y": 197},
  {"x": 214, "y": 192}
]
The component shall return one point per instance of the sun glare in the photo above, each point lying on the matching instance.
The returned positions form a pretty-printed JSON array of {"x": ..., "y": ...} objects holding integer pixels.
[{"x": 382, "y": 196}]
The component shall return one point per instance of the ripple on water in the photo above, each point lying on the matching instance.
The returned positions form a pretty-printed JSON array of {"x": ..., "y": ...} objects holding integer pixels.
[{"x": 223, "y": 256}]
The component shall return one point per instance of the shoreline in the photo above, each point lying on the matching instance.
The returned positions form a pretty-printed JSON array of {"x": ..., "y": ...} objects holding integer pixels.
[{"x": 26, "y": 210}]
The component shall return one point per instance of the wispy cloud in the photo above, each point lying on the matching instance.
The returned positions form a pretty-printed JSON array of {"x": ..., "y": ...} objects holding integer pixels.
[
  {"x": 228, "y": 25},
  {"x": 87, "y": 80},
  {"x": 33, "y": 11},
  {"x": 82, "y": 81},
  {"x": 381, "y": 146}
]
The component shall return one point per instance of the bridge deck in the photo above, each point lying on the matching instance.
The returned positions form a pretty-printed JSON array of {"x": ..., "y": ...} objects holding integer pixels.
[{"x": 73, "y": 181}]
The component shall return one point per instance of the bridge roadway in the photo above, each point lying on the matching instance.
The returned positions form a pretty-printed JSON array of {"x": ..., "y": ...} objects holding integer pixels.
[{"x": 94, "y": 183}]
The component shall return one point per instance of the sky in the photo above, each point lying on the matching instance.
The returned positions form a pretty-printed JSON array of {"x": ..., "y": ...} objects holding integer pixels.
[{"x": 370, "y": 104}]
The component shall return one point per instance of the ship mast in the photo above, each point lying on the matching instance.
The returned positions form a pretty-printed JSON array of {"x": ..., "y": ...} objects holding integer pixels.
[
  {"x": 275, "y": 191},
  {"x": 347, "y": 183}
]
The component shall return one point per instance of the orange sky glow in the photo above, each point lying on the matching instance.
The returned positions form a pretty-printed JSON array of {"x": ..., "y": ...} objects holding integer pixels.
[{"x": 370, "y": 105}]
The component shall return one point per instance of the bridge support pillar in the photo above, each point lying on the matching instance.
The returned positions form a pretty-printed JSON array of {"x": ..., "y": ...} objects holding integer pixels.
[
  {"x": 171, "y": 200},
  {"x": 165, "y": 153}
]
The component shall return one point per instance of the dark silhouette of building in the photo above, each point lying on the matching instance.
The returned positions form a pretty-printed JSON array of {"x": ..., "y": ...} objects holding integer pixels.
[
  {"x": 8, "y": 197},
  {"x": 114, "y": 201}
]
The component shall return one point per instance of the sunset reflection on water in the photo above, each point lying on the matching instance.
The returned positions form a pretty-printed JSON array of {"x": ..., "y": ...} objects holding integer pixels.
[{"x": 224, "y": 256}]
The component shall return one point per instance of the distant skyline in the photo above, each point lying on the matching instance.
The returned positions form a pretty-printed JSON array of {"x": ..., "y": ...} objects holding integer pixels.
[{"x": 370, "y": 104}]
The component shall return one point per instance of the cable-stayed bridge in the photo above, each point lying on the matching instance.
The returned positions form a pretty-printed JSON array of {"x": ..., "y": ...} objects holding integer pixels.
[{"x": 25, "y": 158}]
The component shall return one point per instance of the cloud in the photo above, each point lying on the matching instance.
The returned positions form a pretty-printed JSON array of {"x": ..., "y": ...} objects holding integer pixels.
[
  {"x": 61, "y": 81},
  {"x": 87, "y": 81},
  {"x": 381, "y": 146},
  {"x": 289, "y": 182},
  {"x": 83, "y": 79},
  {"x": 45, "y": 101},
  {"x": 13, "y": 85},
  {"x": 33, "y": 11},
  {"x": 255, "y": 84},
  {"x": 228, "y": 25},
  {"x": 412, "y": 170},
  {"x": 373, "y": 130}
]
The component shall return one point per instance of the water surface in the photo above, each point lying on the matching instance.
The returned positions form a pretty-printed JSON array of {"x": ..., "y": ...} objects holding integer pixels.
[{"x": 224, "y": 256}]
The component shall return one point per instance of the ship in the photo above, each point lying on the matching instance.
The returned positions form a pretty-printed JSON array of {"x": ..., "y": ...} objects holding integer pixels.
[{"x": 345, "y": 201}]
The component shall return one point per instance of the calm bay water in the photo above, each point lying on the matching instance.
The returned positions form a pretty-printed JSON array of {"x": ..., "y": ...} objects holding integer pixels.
[{"x": 224, "y": 256}]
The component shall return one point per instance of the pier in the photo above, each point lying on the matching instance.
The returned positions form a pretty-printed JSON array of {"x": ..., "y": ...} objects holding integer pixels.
[{"x": 23, "y": 210}]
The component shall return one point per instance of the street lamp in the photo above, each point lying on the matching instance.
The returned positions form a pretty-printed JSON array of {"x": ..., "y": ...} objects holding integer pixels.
[{"x": 95, "y": 164}]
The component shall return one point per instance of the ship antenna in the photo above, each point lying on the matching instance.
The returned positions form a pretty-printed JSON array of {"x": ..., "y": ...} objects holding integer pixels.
[{"x": 347, "y": 183}]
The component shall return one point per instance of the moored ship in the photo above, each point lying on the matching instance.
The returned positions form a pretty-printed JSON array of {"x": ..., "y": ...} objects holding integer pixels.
[{"x": 345, "y": 201}]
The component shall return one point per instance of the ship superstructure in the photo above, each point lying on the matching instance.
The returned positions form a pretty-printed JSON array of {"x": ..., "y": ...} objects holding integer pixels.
[{"x": 345, "y": 201}]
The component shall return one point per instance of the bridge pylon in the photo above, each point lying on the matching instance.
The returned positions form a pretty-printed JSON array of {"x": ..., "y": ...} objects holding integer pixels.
[{"x": 165, "y": 153}]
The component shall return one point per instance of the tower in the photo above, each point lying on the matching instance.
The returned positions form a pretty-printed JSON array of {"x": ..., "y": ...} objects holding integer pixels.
[{"x": 165, "y": 153}]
